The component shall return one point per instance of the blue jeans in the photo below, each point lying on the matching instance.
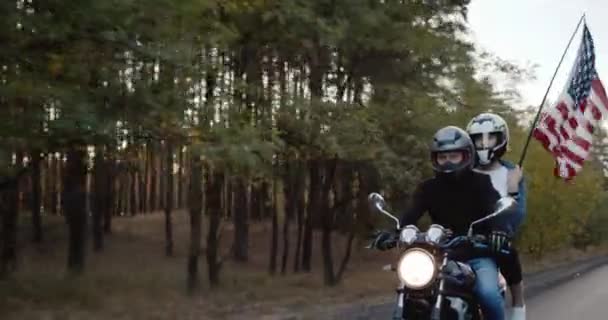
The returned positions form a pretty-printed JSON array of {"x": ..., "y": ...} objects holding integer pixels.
[{"x": 486, "y": 288}]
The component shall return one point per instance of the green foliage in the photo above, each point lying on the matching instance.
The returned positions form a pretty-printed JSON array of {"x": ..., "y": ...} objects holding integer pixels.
[
  {"x": 249, "y": 84},
  {"x": 241, "y": 150}
]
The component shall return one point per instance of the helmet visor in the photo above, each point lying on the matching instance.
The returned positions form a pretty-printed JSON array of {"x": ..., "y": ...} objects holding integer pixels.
[
  {"x": 485, "y": 141},
  {"x": 453, "y": 157},
  {"x": 448, "y": 161}
]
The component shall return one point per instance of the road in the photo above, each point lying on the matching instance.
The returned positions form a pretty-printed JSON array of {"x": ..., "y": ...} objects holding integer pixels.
[
  {"x": 585, "y": 298},
  {"x": 578, "y": 298},
  {"x": 582, "y": 298}
]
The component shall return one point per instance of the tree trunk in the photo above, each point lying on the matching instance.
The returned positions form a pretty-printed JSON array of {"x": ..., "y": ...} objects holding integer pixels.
[
  {"x": 61, "y": 168},
  {"x": 163, "y": 180},
  {"x": 290, "y": 208},
  {"x": 150, "y": 181},
  {"x": 169, "y": 201},
  {"x": 98, "y": 173},
  {"x": 142, "y": 183},
  {"x": 369, "y": 181},
  {"x": 9, "y": 209},
  {"x": 126, "y": 191},
  {"x": 215, "y": 181},
  {"x": 328, "y": 264},
  {"x": 141, "y": 189},
  {"x": 138, "y": 186},
  {"x": 196, "y": 215},
  {"x": 157, "y": 180},
  {"x": 241, "y": 223},
  {"x": 179, "y": 178},
  {"x": 343, "y": 197},
  {"x": 346, "y": 258},
  {"x": 345, "y": 208},
  {"x": 99, "y": 203},
  {"x": 155, "y": 183},
  {"x": 301, "y": 207},
  {"x": 117, "y": 191},
  {"x": 328, "y": 223},
  {"x": 126, "y": 195},
  {"x": 314, "y": 205},
  {"x": 133, "y": 191},
  {"x": 55, "y": 181},
  {"x": 256, "y": 203},
  {"x": 74, "y": 203},
  {"x": 110, "y": 195},
  {"x": 35, "y": 203},
  {"x": 279, "y": 205},
  {"x": 227, "y": 197},
  {"x": 48, "y": 183},
  {"x": 185, "y": 177},
  {"x": 146, "y": 181}
]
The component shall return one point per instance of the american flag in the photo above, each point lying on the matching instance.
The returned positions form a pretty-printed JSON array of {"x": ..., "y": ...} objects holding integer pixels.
[{"x": 566, "y": 129}]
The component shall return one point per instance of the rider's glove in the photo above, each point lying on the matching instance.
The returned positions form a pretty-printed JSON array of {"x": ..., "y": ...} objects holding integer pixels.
[
  {"x": 382, "y": 240},
  {"x": 498, "y": 240}
]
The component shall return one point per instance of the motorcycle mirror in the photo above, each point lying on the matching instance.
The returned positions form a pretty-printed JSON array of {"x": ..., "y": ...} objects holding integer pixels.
[
  {"x": 377, "y": 202},
  {"x": 501, "y": 206},
  {"x": 375, "y": 199}
]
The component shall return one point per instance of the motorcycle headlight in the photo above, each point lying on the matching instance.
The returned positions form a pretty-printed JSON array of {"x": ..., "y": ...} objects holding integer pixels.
[
  {"x": 416, "y": 268},
  {"x": 435, "y": 233},
  {"x": 408, "y": 234}
]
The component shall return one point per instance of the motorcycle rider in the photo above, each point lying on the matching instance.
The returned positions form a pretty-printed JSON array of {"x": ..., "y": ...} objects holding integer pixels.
[
  {"x": 490, "y": 135},
  {"x": 454, "y": 198}
]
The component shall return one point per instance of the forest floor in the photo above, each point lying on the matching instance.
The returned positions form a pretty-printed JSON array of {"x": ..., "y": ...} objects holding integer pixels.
[{"x": 133, "y": 279}]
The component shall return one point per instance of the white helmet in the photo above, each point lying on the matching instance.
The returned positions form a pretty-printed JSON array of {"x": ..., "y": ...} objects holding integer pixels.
[{"x": 480, "y": 128}]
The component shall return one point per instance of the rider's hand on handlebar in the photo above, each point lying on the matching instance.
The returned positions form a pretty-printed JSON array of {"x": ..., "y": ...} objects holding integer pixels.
[
  {"x": 498, "y": 240},
  {"x": 382, "y": 240},
  {"x": 448, "y": 233}
]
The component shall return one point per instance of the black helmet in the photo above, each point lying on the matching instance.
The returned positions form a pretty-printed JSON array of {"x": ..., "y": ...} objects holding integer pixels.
[{"x": 452, "y": 138}]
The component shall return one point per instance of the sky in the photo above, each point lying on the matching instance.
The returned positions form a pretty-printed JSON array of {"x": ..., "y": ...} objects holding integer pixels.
[{"x": 537, "y": 32}]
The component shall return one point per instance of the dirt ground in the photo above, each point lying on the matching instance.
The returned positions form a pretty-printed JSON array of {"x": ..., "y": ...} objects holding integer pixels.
[{"x": 132, "y": 279}]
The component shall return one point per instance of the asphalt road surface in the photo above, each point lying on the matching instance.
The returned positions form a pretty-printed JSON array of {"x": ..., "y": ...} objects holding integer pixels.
[
  {"x": 585, "y": 298},
  {"x": 582, "y": 298},
  {"x": 582, "y": 295}
]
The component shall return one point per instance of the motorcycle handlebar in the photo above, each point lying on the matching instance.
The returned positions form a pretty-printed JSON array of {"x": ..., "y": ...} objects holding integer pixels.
[{"x": 478, "y": 242}]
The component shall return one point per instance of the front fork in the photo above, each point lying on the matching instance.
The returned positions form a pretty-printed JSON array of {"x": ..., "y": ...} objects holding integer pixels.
[
  {"x": 398, "y": 310},
  {"x": 436, "y": 313}
]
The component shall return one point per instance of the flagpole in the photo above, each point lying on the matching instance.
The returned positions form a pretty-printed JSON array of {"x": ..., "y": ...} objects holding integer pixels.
[{"x": 540, "y": 108}]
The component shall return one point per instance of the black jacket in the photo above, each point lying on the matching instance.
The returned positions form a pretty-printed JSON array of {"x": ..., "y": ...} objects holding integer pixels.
[{"x": 454, "y": 204}]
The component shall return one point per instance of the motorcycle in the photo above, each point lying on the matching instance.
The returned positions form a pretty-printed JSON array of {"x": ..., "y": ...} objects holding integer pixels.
[{"x": 433, "y": 283}]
